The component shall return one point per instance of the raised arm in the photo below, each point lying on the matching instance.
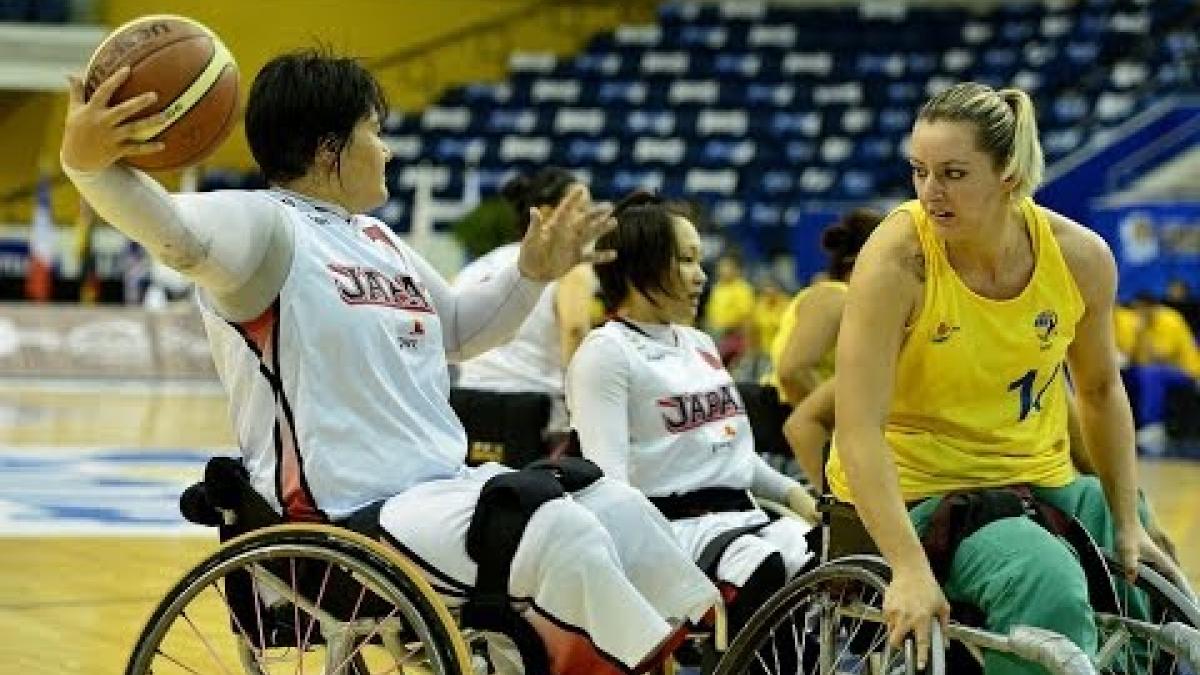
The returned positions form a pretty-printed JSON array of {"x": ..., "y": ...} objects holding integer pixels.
[
  {"x": 232, "y": 244},
  {"x": 884, "y": 291},
  {"x": 597, "y": 385},
  {"x": 478, "y": 316},
  {"x": 480, "y": 312}
]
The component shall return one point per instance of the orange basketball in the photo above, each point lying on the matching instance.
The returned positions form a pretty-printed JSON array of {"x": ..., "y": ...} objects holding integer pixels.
[{"x": 192, "y": 72}]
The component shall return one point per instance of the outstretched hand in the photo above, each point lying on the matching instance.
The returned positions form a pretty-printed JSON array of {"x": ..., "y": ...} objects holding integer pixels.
[
  {"x": 555, "y": 244},
  {"x": 97, "y": 135}
]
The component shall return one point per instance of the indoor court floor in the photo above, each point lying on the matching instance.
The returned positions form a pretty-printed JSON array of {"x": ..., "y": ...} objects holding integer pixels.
[{"x": 91, "y": 539}]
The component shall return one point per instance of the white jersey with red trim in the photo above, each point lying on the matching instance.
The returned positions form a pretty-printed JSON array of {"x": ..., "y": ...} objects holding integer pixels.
[
  {"x": 687, "y": 425},
  {"x": 532, "y": 359},
  {"x": 344, "y": 372}
]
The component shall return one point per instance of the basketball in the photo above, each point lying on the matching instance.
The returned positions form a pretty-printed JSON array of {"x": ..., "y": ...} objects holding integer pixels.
[{"x": 192, "y": 72}]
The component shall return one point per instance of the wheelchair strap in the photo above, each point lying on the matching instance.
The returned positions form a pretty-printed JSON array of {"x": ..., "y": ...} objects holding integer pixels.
[
  {"x": 962, "y": 514},
  {"x": 506, "y": 503},
  {"x": 703, "y": 502},
  {"x": 710, "y": 557}
]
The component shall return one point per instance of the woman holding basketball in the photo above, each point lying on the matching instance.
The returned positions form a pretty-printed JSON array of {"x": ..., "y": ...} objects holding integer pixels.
[
  {"x": 331, "y": 337},
  {"x": 965, "y": 307}
]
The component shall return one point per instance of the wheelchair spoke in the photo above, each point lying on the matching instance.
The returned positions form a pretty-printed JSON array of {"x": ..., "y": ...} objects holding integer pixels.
[
  {"x": 256, "y": 653},
  {"x": 176, "y": 662},
  {"x": 262, "y": 638},
  {"x": 362, "y": 642},
  {"x": 312, "y": 620},
  {"x": 208, "y": 645},
  {"x": 296, "y": 615}
]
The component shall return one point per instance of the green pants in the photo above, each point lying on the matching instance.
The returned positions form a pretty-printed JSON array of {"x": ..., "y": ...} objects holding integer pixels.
[{"x": 1017, "y": 573}]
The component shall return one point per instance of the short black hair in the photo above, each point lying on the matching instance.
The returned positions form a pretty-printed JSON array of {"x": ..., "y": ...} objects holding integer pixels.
[
  {"x": 547, "y": 187},
  {"x": 644, "y": 240},
  {"x": 303, "y": 101},
  {"x": 845, "y": 238}
]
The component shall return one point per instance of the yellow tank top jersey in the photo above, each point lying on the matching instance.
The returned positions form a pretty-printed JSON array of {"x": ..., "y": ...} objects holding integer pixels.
[
  {"x": 980, "y": 390},
  {"x": 824, "y": 366}
]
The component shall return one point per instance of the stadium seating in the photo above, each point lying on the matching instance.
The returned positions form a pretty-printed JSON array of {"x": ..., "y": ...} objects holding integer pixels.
[{"x": 765, "y": 106}]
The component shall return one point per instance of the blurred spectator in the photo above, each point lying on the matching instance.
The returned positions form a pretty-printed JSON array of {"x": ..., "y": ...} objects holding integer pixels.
[
  {"x": 729, "y": 311},
  {"x": 1160, "y": 354},
  {"x": 135, "y": 272},
  {"x": 768, "y": 310},
  {"x": 1179, "y": 297}
]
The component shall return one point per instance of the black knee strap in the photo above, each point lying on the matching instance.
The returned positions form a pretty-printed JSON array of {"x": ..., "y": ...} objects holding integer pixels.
[{"x": 506, "y": 503}]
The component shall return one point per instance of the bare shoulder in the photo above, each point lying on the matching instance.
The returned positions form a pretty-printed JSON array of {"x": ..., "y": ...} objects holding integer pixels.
[
  {"x": 1087, "y": 254},
  {"x": 895, "y": 249}
]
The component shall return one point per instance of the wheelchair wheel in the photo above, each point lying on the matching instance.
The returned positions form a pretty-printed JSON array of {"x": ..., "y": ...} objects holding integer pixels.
[
  {"x": 301, "y": 598},
  {"x": 826, "y": 621},
  {"x": 1157, "y": 633}
]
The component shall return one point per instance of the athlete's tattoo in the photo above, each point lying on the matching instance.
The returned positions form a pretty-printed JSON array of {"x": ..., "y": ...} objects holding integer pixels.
[{"x": 917, "y": 265}]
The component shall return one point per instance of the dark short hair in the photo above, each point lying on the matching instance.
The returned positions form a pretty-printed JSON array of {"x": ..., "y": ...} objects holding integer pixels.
[
  {"x": 845, "y": 238},
  {"x": 547, "y": 187},
  {"x": 302, "y": 101},
  {"x": 644, "y": 240}
]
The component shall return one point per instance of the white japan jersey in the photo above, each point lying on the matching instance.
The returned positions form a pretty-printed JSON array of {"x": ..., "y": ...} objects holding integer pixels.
[
  {"x": 324, "y": 433},
  {"x": 687, "y": 424},
  {"x": 532, "y": 359}
]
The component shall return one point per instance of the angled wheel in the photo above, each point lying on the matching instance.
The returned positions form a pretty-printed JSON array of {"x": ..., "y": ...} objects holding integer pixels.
[
  {"x": 826, "y": 621},
  {"x": 1157, "y": 632},
  {"x": 301, "y": 598}
]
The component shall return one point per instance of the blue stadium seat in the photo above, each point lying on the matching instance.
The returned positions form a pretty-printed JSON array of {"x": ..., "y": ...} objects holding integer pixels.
[
  {"x": 694, "y": 92},
  {"x": 558, "y": 91},
  {"x": 510, "y": 121},
  {"x": 590, "y": 121},
  {"x": 458, "y": 151},
  {"x": 758, "y": 94},
  {"x": 649, "y": 150},
  {"x": 650, "y": 122},
  {"x": 517, "y": 149},
  {"x": 587, "y": 151},
  {"x": 710, "y": 182},
  {"x": 714, "y": 122},
  {"x": 777, "y": 183},
  {"x": 437, "y": 118},
  {"x": 405, "y": 148},
  {"x": 725, "y": 152},
  {"x": 625, "y": 181}
]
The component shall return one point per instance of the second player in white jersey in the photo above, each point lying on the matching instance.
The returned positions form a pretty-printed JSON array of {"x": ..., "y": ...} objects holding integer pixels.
[{"x": 654, "y": 406}]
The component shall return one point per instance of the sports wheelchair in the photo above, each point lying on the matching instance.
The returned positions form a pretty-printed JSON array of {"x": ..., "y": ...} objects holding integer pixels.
[
  {"x": 832, "y": 618},
  {"x": 326, "y": 598}
]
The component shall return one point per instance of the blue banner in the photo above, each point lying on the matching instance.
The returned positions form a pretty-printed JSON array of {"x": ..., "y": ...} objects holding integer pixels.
[{"x": 1154, "y": 243}]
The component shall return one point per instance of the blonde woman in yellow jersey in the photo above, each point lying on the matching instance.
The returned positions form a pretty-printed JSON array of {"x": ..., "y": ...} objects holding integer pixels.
[
  {"x": 803, "y": 350},
  {"x": 965, "y": 306}
]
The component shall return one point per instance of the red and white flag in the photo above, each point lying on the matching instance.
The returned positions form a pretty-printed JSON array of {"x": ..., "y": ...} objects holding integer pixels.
[{"x": 43, "y": 248}]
